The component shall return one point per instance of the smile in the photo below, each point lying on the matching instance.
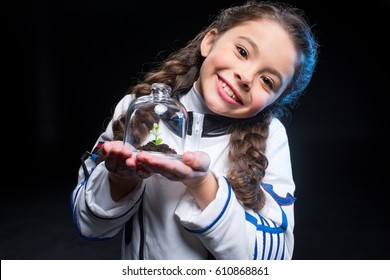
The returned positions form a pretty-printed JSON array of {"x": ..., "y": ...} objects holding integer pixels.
[{"x": 228, "y": 90}]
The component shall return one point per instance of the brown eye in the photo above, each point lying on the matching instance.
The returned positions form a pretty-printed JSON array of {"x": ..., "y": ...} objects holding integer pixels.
[
  {"x": 243, "y": 52},
  {"x": 268, "y": 82}
]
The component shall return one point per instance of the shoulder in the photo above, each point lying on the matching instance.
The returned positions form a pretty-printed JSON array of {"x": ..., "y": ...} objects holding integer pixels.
[
  {"x": 277, "y": 129},
  {"x": 277, "y": 141},
  {"x": 123, "y": 104},
  {"x": 125, "y": 101}
]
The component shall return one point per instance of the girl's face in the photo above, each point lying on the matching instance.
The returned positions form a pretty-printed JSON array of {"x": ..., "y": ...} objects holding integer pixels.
[{"x": 246, "y": 68}]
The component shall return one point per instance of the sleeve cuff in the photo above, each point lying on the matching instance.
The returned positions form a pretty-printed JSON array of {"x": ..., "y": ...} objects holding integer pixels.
[
  {"x": 196, "y": 220},
  {"x": 99, "y": 199}
]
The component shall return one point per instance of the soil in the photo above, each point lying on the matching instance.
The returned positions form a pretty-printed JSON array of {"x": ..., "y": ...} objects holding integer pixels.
[{"x": 162, "y": 148}]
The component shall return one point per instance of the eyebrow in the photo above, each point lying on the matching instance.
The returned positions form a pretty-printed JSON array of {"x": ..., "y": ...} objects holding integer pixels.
[{"x": 251, "y": 42}]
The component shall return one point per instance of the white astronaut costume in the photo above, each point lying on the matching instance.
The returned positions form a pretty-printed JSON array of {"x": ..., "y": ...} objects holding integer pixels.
[{"x": 162, "y": 221}]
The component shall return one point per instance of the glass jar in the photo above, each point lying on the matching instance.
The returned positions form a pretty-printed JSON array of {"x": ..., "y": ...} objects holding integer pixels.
[{"x": 157, "y": 124}]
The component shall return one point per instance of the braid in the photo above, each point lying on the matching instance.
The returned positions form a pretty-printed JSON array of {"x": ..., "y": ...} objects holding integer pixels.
[
  {"x": 248, "y": 161},
  {"x": 248, "y": 143},
  {"x": 179, "y": 70},
  {"x": 118, "y": 127}
]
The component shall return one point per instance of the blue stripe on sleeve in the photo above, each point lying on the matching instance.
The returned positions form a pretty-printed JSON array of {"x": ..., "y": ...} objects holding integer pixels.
[
  {"x": 288, "y": 200},
  {"x": 201, "y": 230},
  {"x": 273, "y": 231}
]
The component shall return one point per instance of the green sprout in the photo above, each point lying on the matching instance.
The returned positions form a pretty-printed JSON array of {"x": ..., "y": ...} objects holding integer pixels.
[{"x": 157, "y": 140}]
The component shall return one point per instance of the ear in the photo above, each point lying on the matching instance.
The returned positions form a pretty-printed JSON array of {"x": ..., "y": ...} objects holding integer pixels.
[{"x": 208, "y": 42}]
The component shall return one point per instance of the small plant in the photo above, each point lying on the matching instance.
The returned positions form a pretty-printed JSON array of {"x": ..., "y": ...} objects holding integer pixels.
[
  {"x": 157, "y": 145},
  {"x": 157, "y": 140}
]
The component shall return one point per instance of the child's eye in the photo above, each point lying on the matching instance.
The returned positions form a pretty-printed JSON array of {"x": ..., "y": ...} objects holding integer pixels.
[
  {"x": 242, "y": 51},
  {"x": 268, "y": 82}
]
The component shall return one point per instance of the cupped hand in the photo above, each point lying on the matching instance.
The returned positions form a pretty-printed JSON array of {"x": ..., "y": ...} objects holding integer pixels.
[
  {"x": 120, "y": 161},
  {"x": 194, "y": 165}
]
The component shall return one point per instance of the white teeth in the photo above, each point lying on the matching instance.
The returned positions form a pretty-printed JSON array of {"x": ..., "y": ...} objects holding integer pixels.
[{"x": 228, "y": 90}]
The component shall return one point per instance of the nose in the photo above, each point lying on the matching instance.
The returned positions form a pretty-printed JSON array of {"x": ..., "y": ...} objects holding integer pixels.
[{"x": 244, "y": 79}]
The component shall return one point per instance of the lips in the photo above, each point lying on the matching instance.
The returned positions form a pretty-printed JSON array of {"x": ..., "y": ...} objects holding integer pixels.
[{"x": 229, "y": 91}]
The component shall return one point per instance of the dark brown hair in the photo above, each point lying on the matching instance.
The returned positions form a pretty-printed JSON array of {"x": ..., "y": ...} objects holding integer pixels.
[{"x": 247, "y": 142}]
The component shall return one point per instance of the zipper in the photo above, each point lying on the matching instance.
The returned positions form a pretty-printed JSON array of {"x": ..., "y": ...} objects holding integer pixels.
[
  {"x": 142, "y": 232},
  {"x": 197, "y": 128}
]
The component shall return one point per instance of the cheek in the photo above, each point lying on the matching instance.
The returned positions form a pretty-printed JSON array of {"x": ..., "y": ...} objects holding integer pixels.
[
  {"x": 258, "y": 103},
  {"x": 208, "y": 70},
  {"x": 217, "y": 60}
]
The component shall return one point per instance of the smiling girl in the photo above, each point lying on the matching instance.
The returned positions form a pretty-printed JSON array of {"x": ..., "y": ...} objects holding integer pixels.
[{"x": 231, "y": 195}]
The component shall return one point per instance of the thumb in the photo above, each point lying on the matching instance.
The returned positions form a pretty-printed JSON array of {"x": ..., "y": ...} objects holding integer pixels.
[{"x": 199, "y": 161}]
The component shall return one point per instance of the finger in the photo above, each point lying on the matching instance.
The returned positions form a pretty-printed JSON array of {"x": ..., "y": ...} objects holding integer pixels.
[
  {"x": 107, "y": 147},
  {"x": 119, "y": 158},
  {"x": 111, "y": 161},
  {"x": 199, "y": 161},
  {"x": 112, "y": 147},
  {"x": 167, "y": 167},
  {"x": 142, "y": 171}
]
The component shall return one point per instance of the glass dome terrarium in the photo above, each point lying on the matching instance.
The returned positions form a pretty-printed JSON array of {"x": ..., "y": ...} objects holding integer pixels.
[{"x": 157, "y": 124}]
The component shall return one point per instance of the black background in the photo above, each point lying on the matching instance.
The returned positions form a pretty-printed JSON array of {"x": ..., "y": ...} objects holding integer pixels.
[{"x": 68, "y": 62}]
